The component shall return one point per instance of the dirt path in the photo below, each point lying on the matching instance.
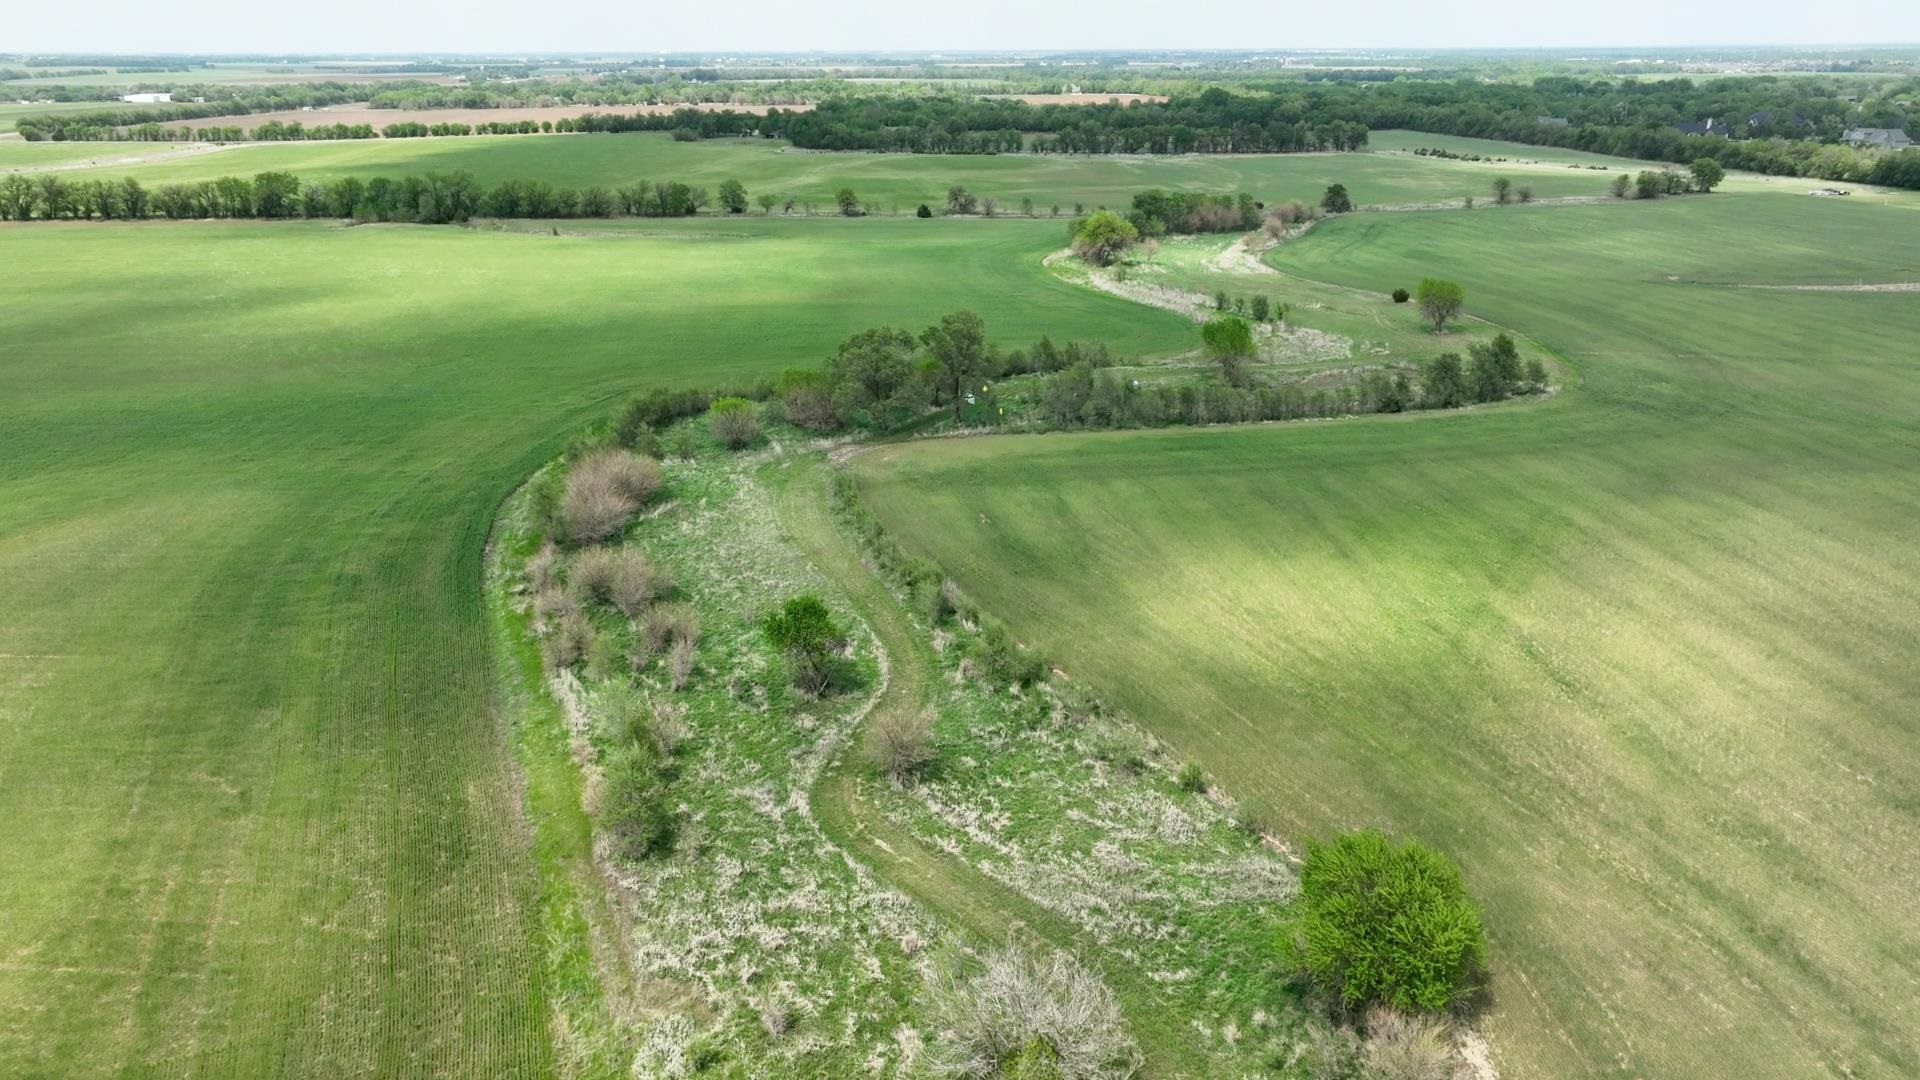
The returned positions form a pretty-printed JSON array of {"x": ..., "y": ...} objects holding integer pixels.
[
  {"x": 170, "y": 153},
  {"x": 1887, "y": 287},
  {"x": 983, "y": 909}
]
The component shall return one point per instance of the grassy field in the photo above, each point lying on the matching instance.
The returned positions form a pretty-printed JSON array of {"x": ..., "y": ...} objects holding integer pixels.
[
  {"x": 260, "y": 818},
  {"x": 1640, "y": 655},
  {"x": 894, "y": 180}
]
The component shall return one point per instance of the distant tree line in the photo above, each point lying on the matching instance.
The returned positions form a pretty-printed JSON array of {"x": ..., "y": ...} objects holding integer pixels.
[
  {"x": 101, "y": 125},
  {"x": 1212, "y": 121},
  {"x": 432, "y": 199}
]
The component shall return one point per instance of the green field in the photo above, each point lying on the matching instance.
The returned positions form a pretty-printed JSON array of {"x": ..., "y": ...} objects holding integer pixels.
[
  {"x": 259, "y": 812},
  {"x": 1640, "y": 655},
  {"x": 894, "y": 180}
]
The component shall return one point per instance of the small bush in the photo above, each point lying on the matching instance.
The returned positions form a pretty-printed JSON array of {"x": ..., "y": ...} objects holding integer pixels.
[
  {"x": 1387, "y": 924},
  {"x": 901, "y": 743},
  {"x": 620, "y": 576},
  {"x": 734, "y": 422},
  {"x": 542, "y": 569},
  {"x": 1192, "y": 778},
  {"x": 665, "y": 625},
  {"x": 804, "y": 630},
  {"x": 1003, "y": 660},
  {"x": 680, "y": 662},
  {"x": 686, "y": 444},
  {"x": 635, "y": 811},
  {"x": 1047, "y": 1017},
  {"x": 1401, "y": 296},
  {"x": 1402, "y": 1047},
  {"x": 566, "y": 640},
  {"x": 924, "y": 211},
  {"x": 603, "y": 490}
]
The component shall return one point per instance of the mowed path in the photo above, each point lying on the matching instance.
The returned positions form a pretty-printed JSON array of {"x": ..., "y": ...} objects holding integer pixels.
[
  {"x": 1639, "y": 655},
  {"x": 259, "y": 815}
]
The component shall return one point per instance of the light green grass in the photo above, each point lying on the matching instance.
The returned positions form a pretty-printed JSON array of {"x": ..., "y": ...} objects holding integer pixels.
[
  {"x": 1640, "y": 656},
  {"x": 902, "y": 179},
  {"x": 259, "y": 813}
]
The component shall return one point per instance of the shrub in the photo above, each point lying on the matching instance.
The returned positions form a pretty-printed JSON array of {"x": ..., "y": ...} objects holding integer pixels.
[
  {"x": 1192, "y": 778},
  {"x": 1401, "y": 296},
  {"x": 901, "y": 743},
  {"x": 1336, "y": 200},
  {"x": 551, "y": 603},
  {"x": 686, "y": 444},
  {"x": 1047, "y": 1017},
  {"x": 542, "y": 567},
  {"x": 924, "y": 211},
  {"x": 566, "y": 641},
  {"x": 604, "y": 489},
  {"x": 1402, "y": 1047},
  {"x": 734, "y": 422},
  {"x": 622, "y": 577},
  {"x": 1387, "y": 924},
  {"x": 807, "y": 396},
  {"x": 634, "y": 808},
  {"x": 804, "y": 630},
  {"x": 1004, "y": 660},
  {"x": 665, "y": 625},
  {"x": 680, "y": 662}
]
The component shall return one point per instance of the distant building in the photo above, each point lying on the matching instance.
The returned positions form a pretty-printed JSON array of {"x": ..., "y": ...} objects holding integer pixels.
[
  {"x": 1709, "y": 126},
  {"x": 145, "y": 99},
  {"x": 1878, "y": 138}
]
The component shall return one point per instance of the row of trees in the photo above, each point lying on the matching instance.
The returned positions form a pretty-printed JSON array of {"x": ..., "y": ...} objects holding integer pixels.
[{"x": 432, "y": 199}]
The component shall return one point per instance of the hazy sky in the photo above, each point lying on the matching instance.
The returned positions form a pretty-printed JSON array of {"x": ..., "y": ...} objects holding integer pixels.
[{"x": 622, "y": 25}]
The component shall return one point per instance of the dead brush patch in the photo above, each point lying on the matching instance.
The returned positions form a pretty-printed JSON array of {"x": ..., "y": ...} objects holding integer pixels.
[
  {"x": 603, "y": 491},
  {"x": 623, "y": 577}
]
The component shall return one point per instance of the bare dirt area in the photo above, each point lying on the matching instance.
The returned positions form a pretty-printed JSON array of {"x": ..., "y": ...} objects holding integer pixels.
[
  {"x": 360, "y": 113},
  {"x": 1884, "y": 287},
  {"x": 113, "y": 154}
]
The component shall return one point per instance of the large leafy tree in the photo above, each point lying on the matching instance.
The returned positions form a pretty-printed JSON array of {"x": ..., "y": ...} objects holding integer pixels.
[
  {"x": 957, "y": 345},
  {"x": 1229, "y": 340},
  {"x": 733, "y": 197},
  {"x": 1385, "y": 923},
  {"x": 1102, "y": 236},
  {"x": 1440, "y": 300}
]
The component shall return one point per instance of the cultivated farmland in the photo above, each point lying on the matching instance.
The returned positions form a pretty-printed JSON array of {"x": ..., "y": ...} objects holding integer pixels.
[
  {"x": 897, "y": 182},
  {"x": 260, "y": 819},
  {"x": 1640, "y": 655}
]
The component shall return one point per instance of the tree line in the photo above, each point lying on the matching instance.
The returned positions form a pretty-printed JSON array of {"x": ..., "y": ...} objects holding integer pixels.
[{"x": 431, "y": 199}]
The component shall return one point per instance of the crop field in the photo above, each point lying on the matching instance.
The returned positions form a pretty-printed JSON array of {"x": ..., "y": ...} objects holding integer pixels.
[
  {"x": 259, "y": 811},
  {"x": 1639, "y": 655},
  {"x": 896, "y": 181}
]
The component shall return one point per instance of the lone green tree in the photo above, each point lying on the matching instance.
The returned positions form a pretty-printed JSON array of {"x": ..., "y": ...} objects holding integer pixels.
[
  {"x": 1502, "y": 190},
  {"x": 957, "y": 344},
  {"x": 1440, "y": 300},
  {"x": 848, "y": 202},
  {"x": 1336, "y": 201},
  {"x": 733, "y": 197},
  {"x": 1707, "y": 174},
  {"x": 767, "y": 203},
  {"x": 1229, "y": 340},
  {"x": 803, "y": 629},
  {"x": 1103, "y": 236},
  {"x": 1387, "y": 924}
]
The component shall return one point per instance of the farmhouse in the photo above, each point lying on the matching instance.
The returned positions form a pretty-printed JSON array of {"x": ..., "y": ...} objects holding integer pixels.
[
  {"x": 1709, "y": 126},
  {"x": 145, "y": 99},
  {"x": 1878, "y": 138}
]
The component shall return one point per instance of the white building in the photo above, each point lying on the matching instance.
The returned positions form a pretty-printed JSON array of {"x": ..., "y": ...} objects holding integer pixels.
[{"x": 145, "y": 99}]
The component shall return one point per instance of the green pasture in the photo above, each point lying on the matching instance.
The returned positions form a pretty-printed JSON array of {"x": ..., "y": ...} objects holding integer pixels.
[
  {"x": 1640, "y": 655},
  {"x": 260, "y": 817},
  {"x": 896, "y": 181}
]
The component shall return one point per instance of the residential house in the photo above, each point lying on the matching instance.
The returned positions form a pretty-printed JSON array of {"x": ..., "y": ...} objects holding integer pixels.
[{"x": 1878, "y": 138}]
